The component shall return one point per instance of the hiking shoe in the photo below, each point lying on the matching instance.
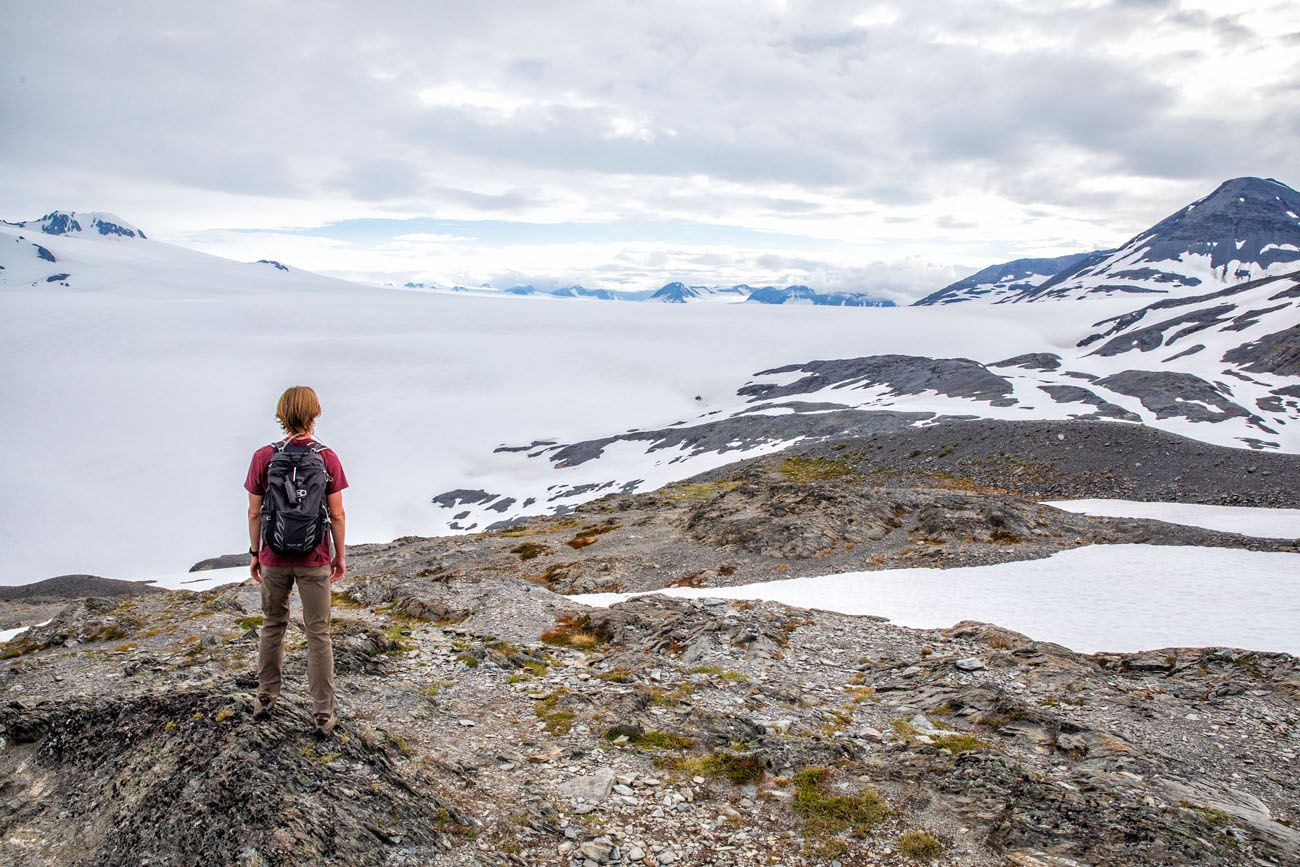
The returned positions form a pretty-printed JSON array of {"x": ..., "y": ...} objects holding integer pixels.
[
  {"x": 325, "y": 723},
  {"x": 262, "y": 705}
]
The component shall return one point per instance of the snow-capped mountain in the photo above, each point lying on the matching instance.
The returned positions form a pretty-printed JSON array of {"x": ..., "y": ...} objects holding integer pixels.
[
  {"x": 1246, "y": 229},
  {"x": 678, "y": 292},
  {"x": 1222, "y": 367},
  {"x": 808, "y": 295},
  {"x": 81, "y": 223},
  {"x": 1006, "y": 280}
]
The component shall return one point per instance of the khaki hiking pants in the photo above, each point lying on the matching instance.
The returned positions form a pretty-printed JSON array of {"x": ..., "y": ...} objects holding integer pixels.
[{"x": 314, "y": 592}]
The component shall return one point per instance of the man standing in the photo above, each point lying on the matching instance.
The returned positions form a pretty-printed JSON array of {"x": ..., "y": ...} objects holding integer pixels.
[{"x": 295, "y": 509}]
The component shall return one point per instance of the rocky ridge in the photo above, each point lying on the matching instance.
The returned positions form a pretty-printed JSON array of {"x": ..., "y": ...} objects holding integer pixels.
[{"x": 489, "y": 720}]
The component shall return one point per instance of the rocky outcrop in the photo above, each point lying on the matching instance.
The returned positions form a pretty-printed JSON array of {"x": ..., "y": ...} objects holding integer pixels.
[
  {"x": 490, "y": 721},
  {"x": 184, "y": 776}
]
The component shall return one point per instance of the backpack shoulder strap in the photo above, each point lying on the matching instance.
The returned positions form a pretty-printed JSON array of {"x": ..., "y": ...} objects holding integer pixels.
[{"x": 319, "y": 448}]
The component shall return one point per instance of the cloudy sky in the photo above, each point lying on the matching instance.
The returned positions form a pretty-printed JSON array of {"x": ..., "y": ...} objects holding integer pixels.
[{"x": 874, "y": 146}]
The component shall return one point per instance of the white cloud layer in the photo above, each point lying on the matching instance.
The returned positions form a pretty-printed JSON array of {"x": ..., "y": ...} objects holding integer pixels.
[{"x": 894, "y": 143}]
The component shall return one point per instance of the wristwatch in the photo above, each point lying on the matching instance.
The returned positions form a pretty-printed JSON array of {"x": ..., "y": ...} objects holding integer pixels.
[{"x": 252, "y": 553}]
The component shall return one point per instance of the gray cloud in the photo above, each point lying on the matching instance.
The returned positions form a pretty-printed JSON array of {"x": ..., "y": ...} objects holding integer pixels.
[{"x": 805, "y": 111}]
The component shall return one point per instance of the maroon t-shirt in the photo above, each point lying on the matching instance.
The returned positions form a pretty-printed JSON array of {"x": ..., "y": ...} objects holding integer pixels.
[{"x": 256, "y": 484}]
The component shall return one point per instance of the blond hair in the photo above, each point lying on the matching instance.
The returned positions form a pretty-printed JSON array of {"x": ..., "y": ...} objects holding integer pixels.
[{"x": 297, "y": 410}]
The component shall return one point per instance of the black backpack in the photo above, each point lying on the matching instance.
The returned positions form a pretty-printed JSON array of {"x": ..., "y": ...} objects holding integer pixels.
[{"x": 295, "y": 516}]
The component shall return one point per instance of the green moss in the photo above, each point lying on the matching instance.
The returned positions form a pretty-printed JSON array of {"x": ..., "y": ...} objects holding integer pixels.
[
  {"x": 554, "y": 722},
  {"x": 802, "y": 468},
  {"x": 829, "y": 849},
  {"x": 557, "y": 723},
  {"x": 250, "y": 622},
  {"x": 1213, "y": 815},
  {"x": 734, "y": 676},
  {"x": 437, "y": 686},
  {"x": 344, "y": 599},
  {"x": 529, "y": 530},
  {"x": 826, "y": 813},
  {"x": 919, "y": 845},
  {"x": 21, "y": 646},
  {"x": 959, "y": 743},
  {"x": 903, "y": 728},
  {"x": 739, "y": 768},
  {"x": 535, "y": 667},
  {"x": 693, "y": 491},
  {"x": 398, "y": 742},
  {"x": 660, "y": 697},
  {"x": 398, "y": 633},
  {"x": 653, "y": 740}
]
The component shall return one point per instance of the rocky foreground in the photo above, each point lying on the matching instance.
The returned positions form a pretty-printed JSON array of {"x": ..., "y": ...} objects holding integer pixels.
[{"x": 490, "y": 720}]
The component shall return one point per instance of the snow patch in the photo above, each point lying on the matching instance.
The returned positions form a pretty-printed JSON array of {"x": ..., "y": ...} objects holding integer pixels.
[{"x": 1091, "y": 599}]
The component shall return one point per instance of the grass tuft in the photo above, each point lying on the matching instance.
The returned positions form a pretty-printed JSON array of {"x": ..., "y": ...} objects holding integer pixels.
[
  {"x": 802, "y": 468},
  {"x": 919, "y": 845},
  {"x": 826, "y": 813}
]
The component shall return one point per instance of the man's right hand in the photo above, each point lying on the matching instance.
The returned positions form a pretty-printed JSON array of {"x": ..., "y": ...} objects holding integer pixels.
[{"x": 255, "y": 569}]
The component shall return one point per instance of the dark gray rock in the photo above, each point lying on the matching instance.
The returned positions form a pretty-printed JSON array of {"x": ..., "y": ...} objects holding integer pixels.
[
  {"x": 744, "y": 432},
  {"x": 1277, "y": 353},
  {"x": 77, "y": 587},
  {"x": 1171, "y": 394},
  {"x": 1078, "y": 394},
  {"x": 1032, "y": 361},
  {"x": 904, "y": 374},
  {"x": 1007, "y": 277},
  {"x": 463, "y": 496}
]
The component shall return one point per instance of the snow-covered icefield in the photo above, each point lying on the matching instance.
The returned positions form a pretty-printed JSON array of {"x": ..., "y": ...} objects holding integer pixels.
[
  {"x": 134, "y": 396},
  {"x": 1246, "y": 520},
  {"x": 1091, "y": 599}
]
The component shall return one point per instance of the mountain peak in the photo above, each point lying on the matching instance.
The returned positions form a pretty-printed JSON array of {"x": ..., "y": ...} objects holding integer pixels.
[
  {"x": 82, "y": 223},
  {"x": 676, "y": 292}
]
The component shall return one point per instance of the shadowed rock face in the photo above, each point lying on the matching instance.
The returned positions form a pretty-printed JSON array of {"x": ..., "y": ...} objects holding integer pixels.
[
  {"x": 1155, "y": 336},
  {"x": 1169, "y": 393},
  {"x": 1005, "y": 279},
  {"x": 1077, "y": 394},
  {"x": 1032, "y": 361},
  {"x": 1243, "y": 227},
  {"x": 904, "y": 374},
  {"x": 78, "y": 586},
  {"x": 190, "y": 767},
  {"x": 1235, "y": 223},
  {"x": 744, "y": 432},
  {"x": 1273, "y": 353}
]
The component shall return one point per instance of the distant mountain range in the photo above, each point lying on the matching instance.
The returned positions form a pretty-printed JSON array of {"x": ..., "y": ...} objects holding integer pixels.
[
  {"x": 680, "y": 293},
  {"x": 1246, "y": 229}
]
